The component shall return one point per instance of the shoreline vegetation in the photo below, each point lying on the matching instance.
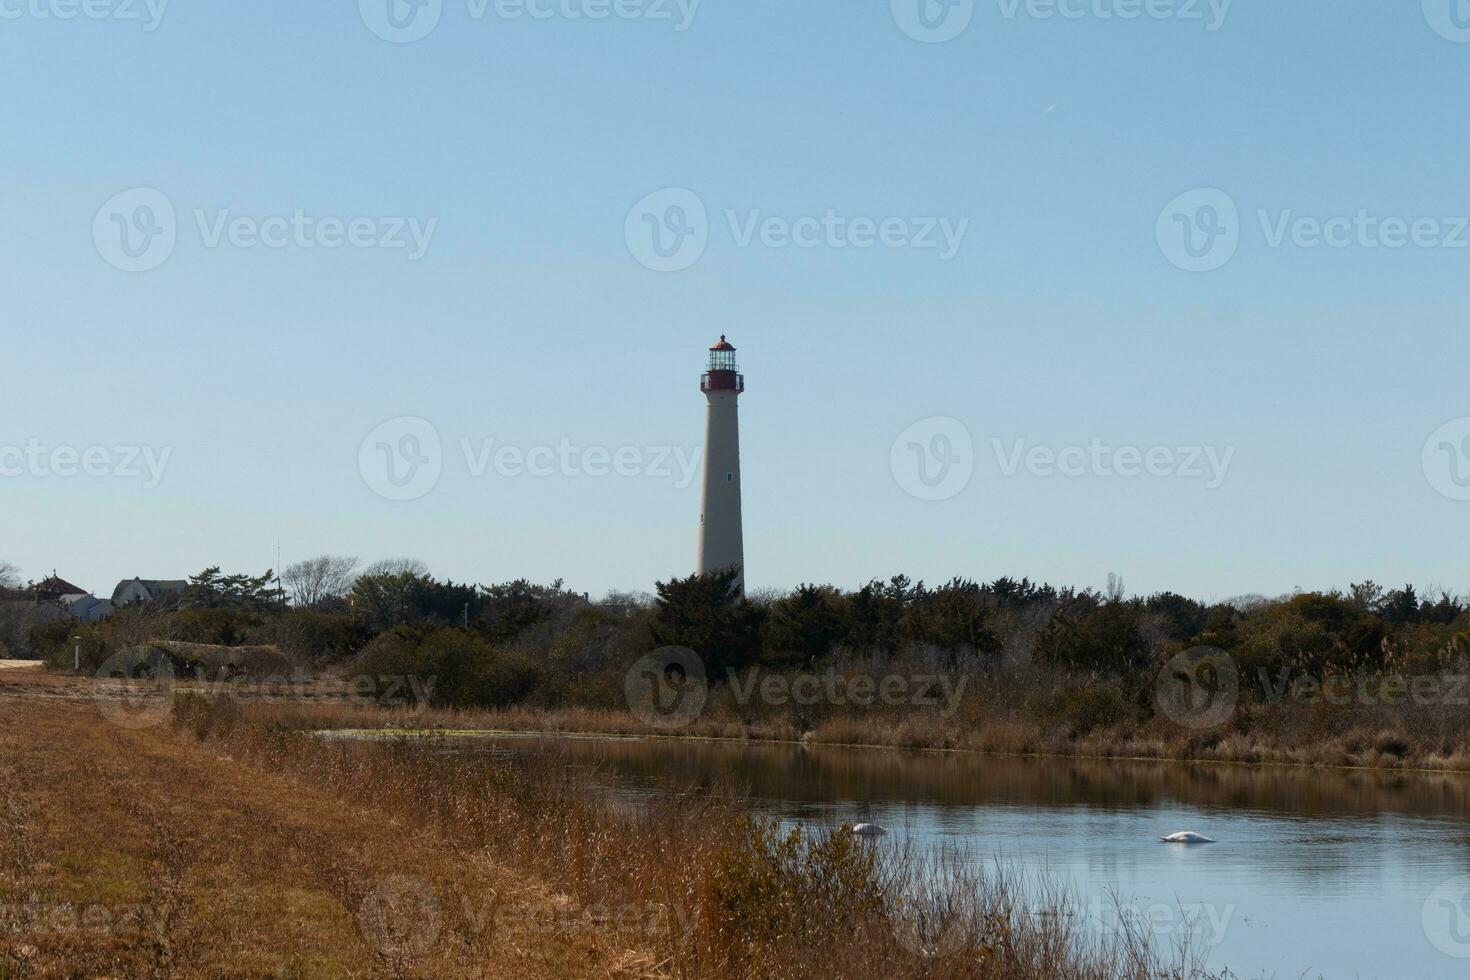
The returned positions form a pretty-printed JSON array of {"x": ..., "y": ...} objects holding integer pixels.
[
  {"x": 231, "y": 840},
  {"x": 1364, "y": 677},
  {"x": 1367, "y": 748}
]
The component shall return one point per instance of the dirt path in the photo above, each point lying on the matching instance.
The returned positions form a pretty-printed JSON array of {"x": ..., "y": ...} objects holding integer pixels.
[{"x": 144, "y": 853}]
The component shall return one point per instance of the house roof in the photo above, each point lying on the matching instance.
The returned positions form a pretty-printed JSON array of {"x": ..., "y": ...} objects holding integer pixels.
[
  {"x": 59, "y": 586},
  {"x": 155, "y": 586}
]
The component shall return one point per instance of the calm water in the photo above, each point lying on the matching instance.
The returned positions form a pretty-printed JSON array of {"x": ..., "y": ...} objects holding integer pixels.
[{"x": 1314, "y": 873}]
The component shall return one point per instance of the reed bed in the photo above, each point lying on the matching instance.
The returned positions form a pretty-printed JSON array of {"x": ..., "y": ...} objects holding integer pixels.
[
  {"x": 989, "y": 721},
  {"x": 687, "y": 881}
]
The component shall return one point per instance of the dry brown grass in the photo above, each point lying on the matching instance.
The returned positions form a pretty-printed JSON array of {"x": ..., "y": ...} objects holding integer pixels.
[
  {"x": 141, "y": 854},
  {"x": 1283, "y": 734},
  {"x": 237, "y": 843}
]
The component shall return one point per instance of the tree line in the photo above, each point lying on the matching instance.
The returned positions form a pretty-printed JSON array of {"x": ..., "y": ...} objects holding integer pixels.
[{"x": 518, "y": 640}]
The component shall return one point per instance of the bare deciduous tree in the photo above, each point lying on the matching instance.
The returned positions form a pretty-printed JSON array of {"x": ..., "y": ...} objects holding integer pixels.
[
  {"x": 318, "y": 579},
  {"x": 9, "y": 575},
  {"x": 396, "y": 566}
]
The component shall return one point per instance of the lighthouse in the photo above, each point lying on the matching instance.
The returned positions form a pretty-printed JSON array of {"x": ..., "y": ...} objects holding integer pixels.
[{"x": 721, "y": 540}]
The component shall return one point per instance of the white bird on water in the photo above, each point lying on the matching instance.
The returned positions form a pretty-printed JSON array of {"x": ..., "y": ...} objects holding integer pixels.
[
  {"x": 869, "y": 830},
  {"x": 1186, "y": 837}
]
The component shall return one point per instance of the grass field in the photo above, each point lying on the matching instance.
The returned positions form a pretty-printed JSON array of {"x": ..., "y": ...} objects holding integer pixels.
[{"x": 228, "y": 840}]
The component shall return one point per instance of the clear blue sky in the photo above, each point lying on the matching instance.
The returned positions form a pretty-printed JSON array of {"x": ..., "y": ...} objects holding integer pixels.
[{"x": 1060, "y": 320}]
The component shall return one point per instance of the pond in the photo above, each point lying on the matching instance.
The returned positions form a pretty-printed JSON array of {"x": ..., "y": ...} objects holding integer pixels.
[{"x": 1338, "y": 874}]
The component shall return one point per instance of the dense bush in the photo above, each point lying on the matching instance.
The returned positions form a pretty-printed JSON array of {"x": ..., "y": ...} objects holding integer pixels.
[
  {"x": 464, "y": 669},
  {"x": 310, "y": 636}
]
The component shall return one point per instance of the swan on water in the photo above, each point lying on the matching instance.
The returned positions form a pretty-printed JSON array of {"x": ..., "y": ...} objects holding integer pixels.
[
  {"x": 1186, "y": 837},
  {"x": 869, "y": 830}
]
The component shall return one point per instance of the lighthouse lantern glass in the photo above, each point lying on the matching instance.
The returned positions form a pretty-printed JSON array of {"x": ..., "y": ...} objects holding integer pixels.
[{"x": 722, "y": 360}]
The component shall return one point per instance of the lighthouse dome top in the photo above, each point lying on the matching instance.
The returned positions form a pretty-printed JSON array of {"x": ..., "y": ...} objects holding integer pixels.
[{"x": 723, "y": 374}]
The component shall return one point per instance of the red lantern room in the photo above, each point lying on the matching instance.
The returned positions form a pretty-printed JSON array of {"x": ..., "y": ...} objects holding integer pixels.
[{"x": 722, "y": 375}]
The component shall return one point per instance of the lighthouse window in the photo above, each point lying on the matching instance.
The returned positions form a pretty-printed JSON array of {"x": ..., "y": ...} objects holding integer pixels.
[{"x": 729, "y": 477}]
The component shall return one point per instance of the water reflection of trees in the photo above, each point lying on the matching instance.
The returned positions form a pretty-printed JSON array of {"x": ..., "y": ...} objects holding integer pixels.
[{"x": 823, "y": 774}]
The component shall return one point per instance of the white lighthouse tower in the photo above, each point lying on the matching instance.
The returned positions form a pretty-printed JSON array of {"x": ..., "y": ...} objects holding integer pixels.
[{"x": 721, "y": 540}]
